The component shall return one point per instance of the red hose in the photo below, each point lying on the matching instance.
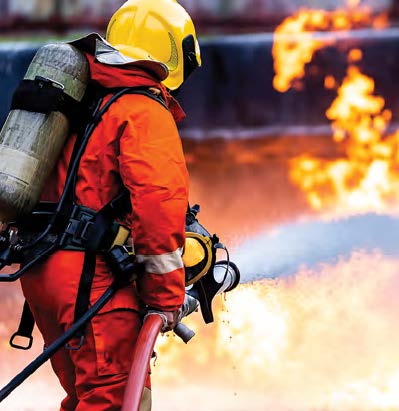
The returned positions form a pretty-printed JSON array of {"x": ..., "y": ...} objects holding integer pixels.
[{"x": 141, "y": 358}]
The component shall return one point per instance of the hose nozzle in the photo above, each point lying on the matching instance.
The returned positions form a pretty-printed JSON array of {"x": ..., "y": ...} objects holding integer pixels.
[{"x": 224, "y": 277}]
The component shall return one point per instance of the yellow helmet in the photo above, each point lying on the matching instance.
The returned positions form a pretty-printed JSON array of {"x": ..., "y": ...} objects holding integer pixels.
[{"x": 159, "y": 31}]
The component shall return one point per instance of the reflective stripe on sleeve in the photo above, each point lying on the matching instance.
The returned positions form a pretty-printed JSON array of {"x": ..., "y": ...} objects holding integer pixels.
[{"x": 163, "y": 263}]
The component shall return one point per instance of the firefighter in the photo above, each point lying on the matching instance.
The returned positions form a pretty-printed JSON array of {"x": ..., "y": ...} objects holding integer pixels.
[{"x": 150, "y": 44}]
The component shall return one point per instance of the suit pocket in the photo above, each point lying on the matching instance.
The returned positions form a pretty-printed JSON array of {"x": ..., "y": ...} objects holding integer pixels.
[{"x": 115, "y": 332}]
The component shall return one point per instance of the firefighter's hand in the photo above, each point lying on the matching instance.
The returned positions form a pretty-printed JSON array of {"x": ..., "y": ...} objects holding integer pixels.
[{"x": 170, "y": 318}]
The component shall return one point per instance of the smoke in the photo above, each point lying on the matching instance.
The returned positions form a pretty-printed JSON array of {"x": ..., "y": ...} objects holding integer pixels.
[{"x": 288, "y": 248}]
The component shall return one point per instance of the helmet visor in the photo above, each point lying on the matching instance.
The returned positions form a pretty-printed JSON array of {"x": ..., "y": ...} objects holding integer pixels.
[{"x": 190, "y": 56}]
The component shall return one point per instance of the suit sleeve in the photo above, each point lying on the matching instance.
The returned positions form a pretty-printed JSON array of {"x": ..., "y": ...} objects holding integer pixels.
[{"x": 153, "y": 168}]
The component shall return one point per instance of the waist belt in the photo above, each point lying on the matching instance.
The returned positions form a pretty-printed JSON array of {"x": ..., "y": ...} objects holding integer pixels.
[{"x": 84, "y": 229}]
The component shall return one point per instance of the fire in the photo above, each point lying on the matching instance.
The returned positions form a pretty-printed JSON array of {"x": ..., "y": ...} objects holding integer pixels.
[
  {"x": 322, "y": 340},
  {"x": 290, "y": 57},
  {"x": 356, "y": 113},
  {"x": 355, "y": 55},
  {"x": 366, "y": 179},
  {"x": 295, "y": 43}
]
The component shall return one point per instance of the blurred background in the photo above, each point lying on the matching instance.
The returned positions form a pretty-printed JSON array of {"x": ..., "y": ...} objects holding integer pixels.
[
  {"x": 220, "y": 16},
  {"x": 292, "y": 145}
]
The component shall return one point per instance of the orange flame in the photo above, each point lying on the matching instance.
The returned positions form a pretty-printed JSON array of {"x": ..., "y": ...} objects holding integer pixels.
[
  {"x": 366, "y": 180},
  {"x": 295, "y": 44},
  {"x": 291, "y": 56}
]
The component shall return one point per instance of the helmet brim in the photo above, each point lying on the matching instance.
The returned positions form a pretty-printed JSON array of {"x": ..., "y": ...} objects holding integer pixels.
[{"x": 103, "y": 52}]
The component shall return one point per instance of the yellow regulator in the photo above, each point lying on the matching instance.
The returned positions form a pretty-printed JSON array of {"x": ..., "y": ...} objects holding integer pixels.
[{"x": 38, "y": 124}]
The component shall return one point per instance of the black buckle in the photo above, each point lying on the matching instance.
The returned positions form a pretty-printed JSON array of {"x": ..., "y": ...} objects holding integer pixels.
[
  {"x": 43, "y": 82},
  {"x": 85, "y": 229},
  {"x": 79, "y": 225},
  {"x": 20, "y": 346}
]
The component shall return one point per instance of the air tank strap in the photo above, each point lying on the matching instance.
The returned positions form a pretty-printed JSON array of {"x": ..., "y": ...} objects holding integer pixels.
[
  {"x": 25, "y": 329},
  {"x": 43, "y": 95}
]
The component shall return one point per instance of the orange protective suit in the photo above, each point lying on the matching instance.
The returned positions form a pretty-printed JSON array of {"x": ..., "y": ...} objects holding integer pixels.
[{"x": 136, "y": 145}]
